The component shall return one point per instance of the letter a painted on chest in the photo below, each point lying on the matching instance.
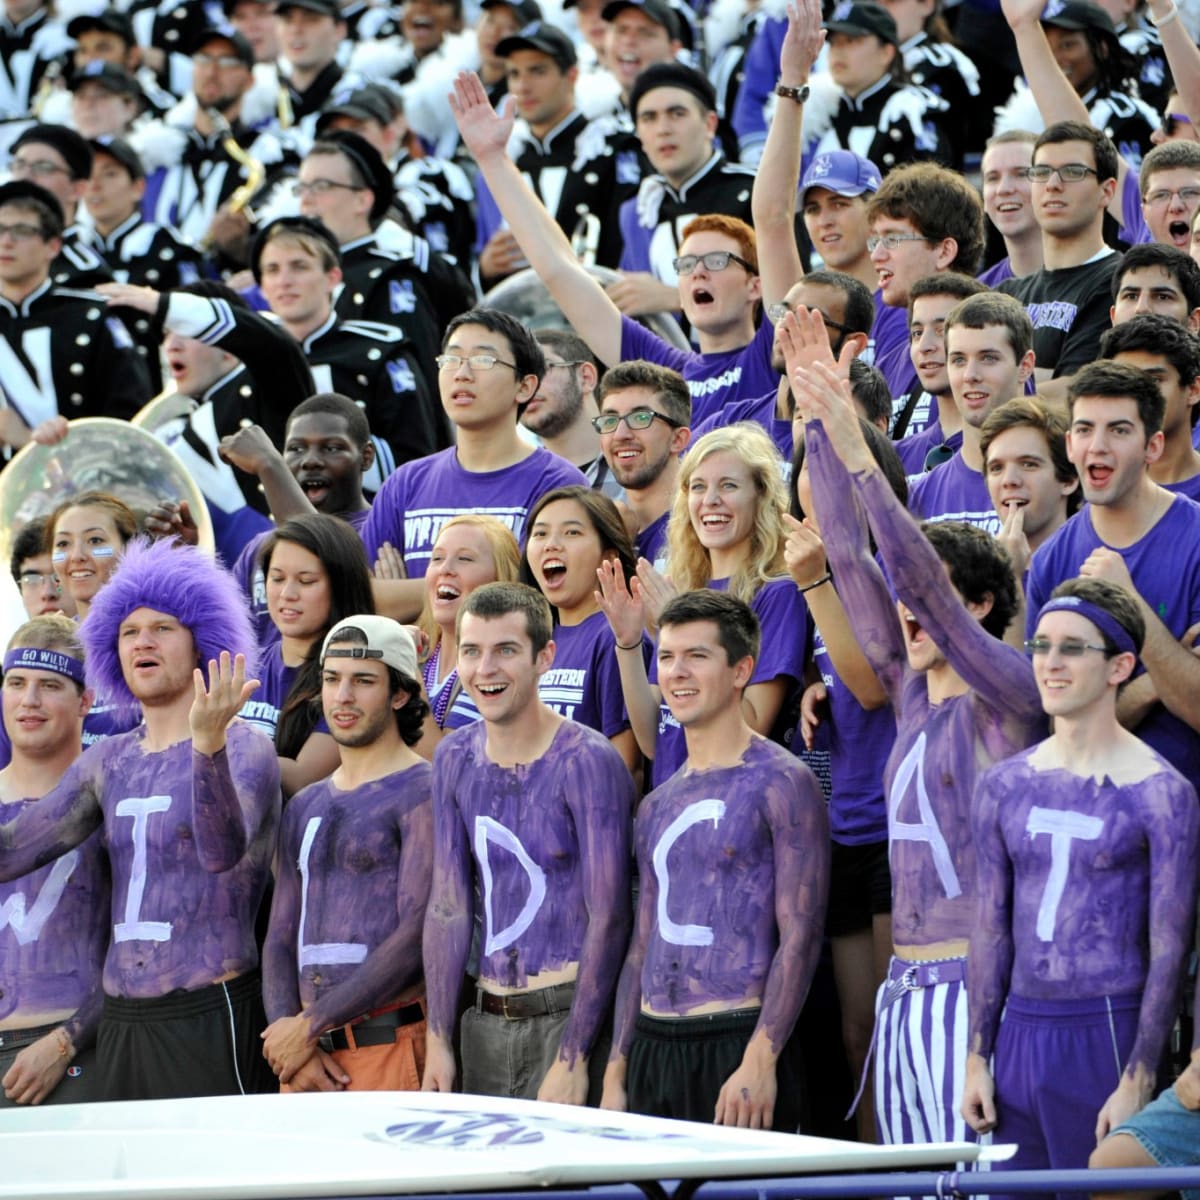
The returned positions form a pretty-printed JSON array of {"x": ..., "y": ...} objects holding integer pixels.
[
  {"x": 489, "y": 831},
  {"x": 912, "y": 771}
]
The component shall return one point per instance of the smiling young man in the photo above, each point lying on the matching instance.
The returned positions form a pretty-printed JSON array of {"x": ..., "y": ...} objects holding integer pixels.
[
  {"x": 188, "y": 803},
  {"x": 342, "y": 983},
  {"x": 1008, "y": 203},
  {"x": 533, "y": 814},
  {"x": 1090, "y": 820},
  {"x": 989, "y": 356},
  {"x": 489, "y": 369},
  {"x": 1135, "y": 533},
  {"x": 640, "y": 34},
  {"x": 1170, "y": 353},
  {"x": 833, "y": 197},
  {"x": 733, "y": 856}
]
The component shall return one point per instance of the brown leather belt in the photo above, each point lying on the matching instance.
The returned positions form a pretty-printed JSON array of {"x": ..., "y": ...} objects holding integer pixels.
[
  {"x": 379, "y": 1030},
  {"x": 520, "y": 1006}
]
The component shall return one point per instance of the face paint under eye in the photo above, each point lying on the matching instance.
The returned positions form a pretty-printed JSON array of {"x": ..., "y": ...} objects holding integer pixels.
[
  {"x": 103, "y": 551},
  {"x": 58, "y": 556}
]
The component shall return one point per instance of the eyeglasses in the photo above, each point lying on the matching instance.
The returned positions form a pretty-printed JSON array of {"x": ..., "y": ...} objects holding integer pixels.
[
  {"x": 714, "y": 260},
  {"x": 1067, "y": 173},
  {"x": 32, "y": 580},
  {"x": 575, "y": 362},
  {"x": 39, "y": 168},
  {"x": 777, "y": 311},
  {"x": 891, "y": 241},
  {"x": 21, "y": 231},
  {"x": 1069, "y": 649},
  {"x": 640, "y": 418},
  {"x": 1160, "y": 197},
  {"x": 477, "y": 362},
  {"x": 226, "y": 62},
  {"x": 321, "y": 187}
]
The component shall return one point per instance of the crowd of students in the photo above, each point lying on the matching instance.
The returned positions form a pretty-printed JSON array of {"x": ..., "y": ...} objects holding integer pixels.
[{"x": 564, "y": 708}]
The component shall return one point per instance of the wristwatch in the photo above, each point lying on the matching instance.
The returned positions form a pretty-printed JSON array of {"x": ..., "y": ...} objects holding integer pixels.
[{"x": 799, "y": 94}]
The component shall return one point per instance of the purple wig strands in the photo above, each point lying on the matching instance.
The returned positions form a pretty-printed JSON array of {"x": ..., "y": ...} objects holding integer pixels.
[{"x": 170, "y": 578}]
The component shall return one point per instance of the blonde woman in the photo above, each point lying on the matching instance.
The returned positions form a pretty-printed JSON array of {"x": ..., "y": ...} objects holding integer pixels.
[{"x": 726, "y": 532}]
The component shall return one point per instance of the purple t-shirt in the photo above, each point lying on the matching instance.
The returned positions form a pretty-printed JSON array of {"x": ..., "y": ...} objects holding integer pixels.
[
  {"x": 914, "y": 449},
  {"x": 262, "y": 709},
  {"x": 652, "y": 541},
  {"x": 859, "y": 742},
  {"x": 1134, "y": 229},
  {"x": 421, "y": 496},
  {"x": 1165, "y": 568},
  {"x": 54, "y": 927},
  {"x": 786, "y": 636},
  {"x": 1185, "y": 487},
  {"x": 583, "y": 683},
  {"x": 954, "y": 492},
  {"x": 713, "y": 379},
  {"x": 253, "y": 582},
  {"x": 996, "y": 274},
  {"x": 761, "y": 410}
]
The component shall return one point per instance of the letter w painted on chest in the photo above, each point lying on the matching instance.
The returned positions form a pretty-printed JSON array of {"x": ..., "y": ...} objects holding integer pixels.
[
  {"x": 1063, "y": 828},
  {"x": 912, "y": 771},
  {"x": 488, "y": 831},
  {"x": 668, "y": 930},
  {"x": 320, "y": 952},
  {"x": 27, "y": 925}
]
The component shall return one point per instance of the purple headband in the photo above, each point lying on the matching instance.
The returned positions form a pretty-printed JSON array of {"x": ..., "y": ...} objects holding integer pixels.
[
  {"x": 1100, "y": 617},
  {"x": 34, "y": 658}
]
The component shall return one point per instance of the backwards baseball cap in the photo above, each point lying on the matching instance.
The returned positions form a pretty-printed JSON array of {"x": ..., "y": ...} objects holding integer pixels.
[
  {"x": 527, "y": 11},
  {"x": 658, "y": 11},
  {"x": 305, "y": 226},
  {"x": 369, "y": 164},
  {"x": 241, "y": 46},
  {"x": 109, "y": 76},
  {"x": 1076, "y": 14},
  {"x": 842, "y": 172},
  {"x": 108, "y": 21},
  {"x": 121, "y": 151},
  {"x": 387, "y": 640},
  {"x": 673, "y": 74},
  {"x": 863, "y": 19},
  {"x": 543, "y": 38},
  {"x": 73, "y": 147}
]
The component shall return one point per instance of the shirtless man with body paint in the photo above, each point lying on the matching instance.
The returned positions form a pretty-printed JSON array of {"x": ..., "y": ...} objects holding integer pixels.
[
  {"x": 1086, "y": 850},
  {"x": 535, "y": 812},
  {"x": 54, "y": 921},
  {"x": 342, "y": 981},
  {"x": 733, "y": 854},
  {"x": 189, "y": 803},
  {"x": 962, "y": 700}
]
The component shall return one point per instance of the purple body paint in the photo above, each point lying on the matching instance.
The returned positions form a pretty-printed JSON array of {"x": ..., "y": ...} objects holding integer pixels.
[
  {"x": 940, "y": 749},
  {"x": 351, "y": 886},
  {"x": 189, "y": 841},
  {"x": 547, "y": 844},
  {"x": 734, "y": 867},
  {"x": 1087, "y": 889},
  {"x": 54, "y": 928}
]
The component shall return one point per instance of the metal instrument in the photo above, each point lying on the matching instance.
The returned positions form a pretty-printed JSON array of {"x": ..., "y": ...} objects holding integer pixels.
[
  {"x": 100, "y": 454},
  {"x": 256, "y": 173}
]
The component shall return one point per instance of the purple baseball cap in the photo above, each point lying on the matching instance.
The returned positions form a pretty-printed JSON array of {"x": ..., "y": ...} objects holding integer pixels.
[{"x": 843, "y": 172}]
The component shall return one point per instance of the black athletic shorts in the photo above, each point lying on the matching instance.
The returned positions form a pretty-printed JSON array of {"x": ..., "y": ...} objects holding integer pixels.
[
  {"x": 860, "y": 887},
  {"x": 200, "y": 1043},
  {"x": 677, "y": 1067}
]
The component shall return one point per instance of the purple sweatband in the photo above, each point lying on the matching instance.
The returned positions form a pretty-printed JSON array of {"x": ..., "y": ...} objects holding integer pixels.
[
  {"x": 1101, "y": 618},
  {"x": 36, "y": 659}
]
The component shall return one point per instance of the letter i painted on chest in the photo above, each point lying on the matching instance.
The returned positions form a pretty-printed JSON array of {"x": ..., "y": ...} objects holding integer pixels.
[
  {"x": 133, "y": 928},
  {"x": 320, "y": 952}
]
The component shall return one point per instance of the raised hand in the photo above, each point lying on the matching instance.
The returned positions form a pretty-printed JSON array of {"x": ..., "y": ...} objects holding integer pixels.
[
  {"x": 1022, "y": 12},
  {"x": 171, "y": 519},
  {"x": 129, "y": 295},
  {"x": 802, "y": 42},
  {"x": 656, "y": 591},
  {"x": 804, "y": 552},
  {"x": 484, "y": 130},
  {"x": 826, "y": 397},
  {"x": 215, "y": 706},
  {"x": 621, "y": 604}
]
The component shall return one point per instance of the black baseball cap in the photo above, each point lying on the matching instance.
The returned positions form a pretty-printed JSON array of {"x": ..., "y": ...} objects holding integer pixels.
[
  {"x": 108, "y": 21},
  {"x": 862, "y": 20},
  {"x": 121, "y": 151},
  {"x": 71, "y": 145},
  {"x": 544, "y": 38},
  {"x": 527, "y": 11},
  {"x": 326, "y": 8},
  {"x": 109, "y": 76},
  {"x": 1076, "y": 14},
  {"x": 309, "y": 226},
  {"x": 363, "y": 104},
  {"x": 241, "y": 47},
  {"x": 658, "y": 11}
]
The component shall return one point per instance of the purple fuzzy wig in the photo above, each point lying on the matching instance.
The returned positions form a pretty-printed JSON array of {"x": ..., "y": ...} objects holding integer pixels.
[{"x": 170, "y": 578}]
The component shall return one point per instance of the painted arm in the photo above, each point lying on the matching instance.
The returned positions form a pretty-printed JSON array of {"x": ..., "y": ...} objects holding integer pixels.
[
  {"x": 773, "y": 201},
  {"x": 796, "y": 814},
  {"x": 583, "y": 301},
  {"x": 280, "y": 961},
  {"x": 59, "y": 821}
]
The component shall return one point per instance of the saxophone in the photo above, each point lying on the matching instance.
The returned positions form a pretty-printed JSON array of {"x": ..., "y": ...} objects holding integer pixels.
[{"x": 256, "y": 173}]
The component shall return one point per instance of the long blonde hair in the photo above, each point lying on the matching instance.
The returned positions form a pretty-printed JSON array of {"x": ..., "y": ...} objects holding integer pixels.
[
  {"x": 689, "y": 562},
  {"x": 506, "y": 554}
]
